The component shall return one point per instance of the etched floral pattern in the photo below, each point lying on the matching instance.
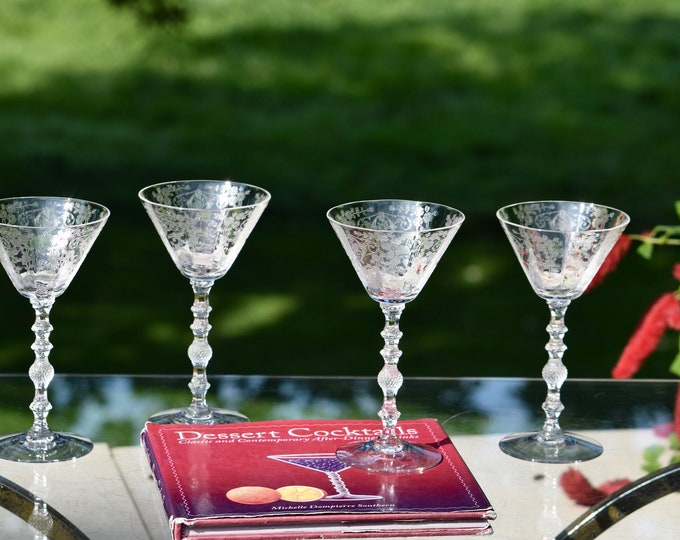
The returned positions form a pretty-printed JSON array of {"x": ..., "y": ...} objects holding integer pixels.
[
  {"x": 394, "y": 245},
  {"x": 44, "y": 240},
  {"x": 204, "y": 224},
  {"x": 561, "y": 245}
]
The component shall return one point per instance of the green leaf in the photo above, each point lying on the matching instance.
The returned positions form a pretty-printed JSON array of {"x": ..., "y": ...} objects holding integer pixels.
[
  {"x": 675, "y": 365},
  {"x": 651, "y": 467},
  {"x": 677, "y": 208},
  {"x": 645, "y": 250},
  {"x": 653, "y": 453},
  {"x": 673, "y": 441}
]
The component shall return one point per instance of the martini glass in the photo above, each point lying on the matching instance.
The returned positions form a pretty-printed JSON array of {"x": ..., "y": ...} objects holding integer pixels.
[
  {"x": 560, "y": 246},
  {"x": 328, "y": 464},
  {"x": 394, "y": 246},
  {"x": 204, "y": 225},
  {"x": 43, "y": 243}
]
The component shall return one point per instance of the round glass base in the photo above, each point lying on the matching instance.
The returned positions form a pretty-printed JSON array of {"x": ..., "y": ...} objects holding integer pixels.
[
  {"x": 184, "y": 416},
  {"x": 66, "y": 447},
  {"x": 573, "y": 449},
  {"x": 370, "y": 457}
]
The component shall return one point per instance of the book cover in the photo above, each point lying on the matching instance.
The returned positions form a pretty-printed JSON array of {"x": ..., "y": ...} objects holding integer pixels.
[{"x": 239, "y": 480}]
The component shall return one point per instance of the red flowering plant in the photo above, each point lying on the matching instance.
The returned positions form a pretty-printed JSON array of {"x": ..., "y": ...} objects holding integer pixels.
[{"x": 662, "y": 315}]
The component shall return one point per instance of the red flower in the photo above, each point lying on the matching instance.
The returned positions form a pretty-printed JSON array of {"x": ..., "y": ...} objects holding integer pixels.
[
  {"x": 579, "y": 489},
  {"x": 676, "y": 271},
  {"x": 612, "y": 261},
  {"x": 663, "y": 314}
]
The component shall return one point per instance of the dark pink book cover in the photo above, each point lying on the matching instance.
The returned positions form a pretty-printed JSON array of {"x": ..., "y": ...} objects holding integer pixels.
[{"x": 285, "y": 471}]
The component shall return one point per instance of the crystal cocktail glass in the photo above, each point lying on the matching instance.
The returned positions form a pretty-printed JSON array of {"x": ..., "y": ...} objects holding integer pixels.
[
  {"x": 43, "y": 243},
  {"x": 203, "y": 224},
  {"x": 560, "y": 246},
  {"x": 394, "y": 245}
]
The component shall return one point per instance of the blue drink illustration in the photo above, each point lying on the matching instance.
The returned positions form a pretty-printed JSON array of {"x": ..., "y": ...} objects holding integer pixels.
[{"x": 326, "y": 463}]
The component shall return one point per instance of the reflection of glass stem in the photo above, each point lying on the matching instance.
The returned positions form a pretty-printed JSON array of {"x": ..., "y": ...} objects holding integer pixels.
[
  {"x": 389, "y": 378},
  {"x": 200, "y": 351},
  {"x": 40, "y": 519},
  {"x": 554, "y": 373},
  {"x": 549, "y": 521},
  {"x": 40, "y": 438}
]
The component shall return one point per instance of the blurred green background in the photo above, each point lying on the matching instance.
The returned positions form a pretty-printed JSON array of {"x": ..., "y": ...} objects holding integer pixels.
[{"x": 472, "y": 103}]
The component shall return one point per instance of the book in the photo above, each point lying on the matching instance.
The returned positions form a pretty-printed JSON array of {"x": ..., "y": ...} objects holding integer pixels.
[{"x": 280, "y": 479}]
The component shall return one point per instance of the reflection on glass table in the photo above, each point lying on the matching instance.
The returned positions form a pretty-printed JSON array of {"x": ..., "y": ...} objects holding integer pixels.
[
  {"x": 113, "y": 409},
  {"x": 476, "y": 413}
]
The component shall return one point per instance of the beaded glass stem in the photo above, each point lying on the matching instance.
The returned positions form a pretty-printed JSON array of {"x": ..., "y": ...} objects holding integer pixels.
[
  {"x": 40, "y": 437},
  {"x": 390, "y": 379},
  {"x": 43, "y": 243},
  {"x": 554, "y": 374},
  {"x": 394, "y": 246},
  {"x": 200, "y": 351},
  {"x": 203, "y": 224},
  {"x": 560, "y": 246}
]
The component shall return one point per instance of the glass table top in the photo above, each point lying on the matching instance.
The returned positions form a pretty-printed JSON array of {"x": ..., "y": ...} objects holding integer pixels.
[{"x": 113, "y": 408}]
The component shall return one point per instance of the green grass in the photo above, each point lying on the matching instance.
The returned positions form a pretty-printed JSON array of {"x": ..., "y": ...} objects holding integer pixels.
[{"x": 471, "y": 103}]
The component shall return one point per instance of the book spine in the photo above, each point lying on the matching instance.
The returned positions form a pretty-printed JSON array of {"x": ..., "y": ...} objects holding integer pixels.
[
  {"x": 158, "y": 478},
  {"x": 482, "y": 530}
]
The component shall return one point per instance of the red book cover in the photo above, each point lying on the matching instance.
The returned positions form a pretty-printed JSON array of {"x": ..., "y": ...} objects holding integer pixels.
[{"x": 281, "y": 479}]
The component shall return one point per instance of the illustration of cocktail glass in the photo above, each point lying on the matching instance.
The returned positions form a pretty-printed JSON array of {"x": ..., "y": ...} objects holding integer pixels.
[
  {"x": 394, "y": 245},
  {"x": 560, "y": 246},
  {"x": 326, "y": 463},
  {"x": 203, "y": 224},
  {"x": 43, "y": 243}
]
